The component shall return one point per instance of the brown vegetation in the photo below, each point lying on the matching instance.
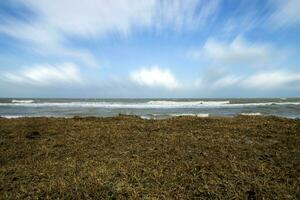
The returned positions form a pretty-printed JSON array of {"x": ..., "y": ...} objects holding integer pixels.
[{"x": 127, "y": 157}]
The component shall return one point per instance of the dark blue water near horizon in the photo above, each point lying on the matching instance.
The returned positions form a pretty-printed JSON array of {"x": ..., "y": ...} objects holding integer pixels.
[{"x": 148, "y": 108}]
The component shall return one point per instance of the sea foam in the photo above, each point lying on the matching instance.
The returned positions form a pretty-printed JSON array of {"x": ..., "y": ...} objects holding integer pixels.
[
  {"x": 190, "y": 114},
  {"x": 187, "y": 103},
  {"x": 22, "y": 101},
  {"x": 251, "y": 114},
  {"x": 12, "y": 116},
  {"x": 144, "y": 105}
]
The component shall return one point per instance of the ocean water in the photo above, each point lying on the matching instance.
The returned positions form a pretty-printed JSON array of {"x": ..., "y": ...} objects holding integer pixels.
[{"x": 148, "y": 108}]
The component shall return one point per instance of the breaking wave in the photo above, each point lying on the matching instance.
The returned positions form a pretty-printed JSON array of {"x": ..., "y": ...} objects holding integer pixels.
[
  {"x": 12, "y": 116},
  {"x": 251, "y": 114},
  {"x": 149, "y": 104},
  {"x": 188, "y": 103},
  {"x": 144, "y": 105},
  {"x": 22, "y": 101},
  {"x": 163, "y": 116},
  {"x": 190, "y": 114}
]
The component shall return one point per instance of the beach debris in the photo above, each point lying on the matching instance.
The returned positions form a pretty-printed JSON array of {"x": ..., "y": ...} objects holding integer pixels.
[
  {"x": 251, "y": 195},
  {"x": 33, "y": 135}
]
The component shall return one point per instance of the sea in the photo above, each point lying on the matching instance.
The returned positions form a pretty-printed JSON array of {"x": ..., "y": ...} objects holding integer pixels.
[{"x": 148, "y": 108}]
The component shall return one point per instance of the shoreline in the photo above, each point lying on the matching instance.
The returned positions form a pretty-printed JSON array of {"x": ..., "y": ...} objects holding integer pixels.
[
  {"x": 129, "y": 157},
  {"x": 153, "y": 117}
]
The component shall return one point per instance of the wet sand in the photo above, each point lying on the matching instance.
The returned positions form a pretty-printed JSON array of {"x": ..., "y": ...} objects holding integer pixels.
[{"x": 245, "y": 157}]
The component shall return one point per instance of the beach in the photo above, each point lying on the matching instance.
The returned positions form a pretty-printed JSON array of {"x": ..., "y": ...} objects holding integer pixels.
[{"x": 121, "y": 157}]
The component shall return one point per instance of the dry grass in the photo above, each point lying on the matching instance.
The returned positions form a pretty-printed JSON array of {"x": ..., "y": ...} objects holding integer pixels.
[{"x": 127, "y": 157}]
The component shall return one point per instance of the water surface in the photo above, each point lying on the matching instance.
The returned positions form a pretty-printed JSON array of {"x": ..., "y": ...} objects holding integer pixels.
[{"x": 148, "y": 108}]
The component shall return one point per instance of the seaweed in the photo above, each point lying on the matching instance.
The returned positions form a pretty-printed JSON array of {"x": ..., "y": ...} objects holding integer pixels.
[{"x": 126, "y": 157}]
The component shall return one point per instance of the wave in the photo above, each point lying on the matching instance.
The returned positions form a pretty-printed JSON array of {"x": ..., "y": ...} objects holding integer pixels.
[
  {"x": 150, "y": 104},
  {"x": 24, "y": 116},
  {"x": 263, "y": 104},
  {"x": 251, "y": 114},
  {"x": 22, "y": 101},
  {"x": 190, "y": 114},
  {"x": 147, "y": 117},
  {"x": 144, "y": 105},
  {"x": 12, "y": 116},
  {"x": 187, "y": 103}
]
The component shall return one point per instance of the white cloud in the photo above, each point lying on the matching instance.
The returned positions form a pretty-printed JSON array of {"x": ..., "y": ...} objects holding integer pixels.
[
  {"x": 93, "y": 17},
  {"x": 239, "y": 51},
  {"x": 46, "y": 75},
  {"x": 287, "y": 13},
  {"x": 41, "y": 39},
  {"x": 216, "y": 79},
  {"x": 47, "y": 32},
  {"x": 183, "y": 14},
  {"x": 36, "y": 33},
  {"x": 273, "y": 80},
  {"x": 98, "y": 17},
  {"x": 154, "y": 77},
  {"x": 262, "y": 80},
  {"x": 226, "y": 81}
]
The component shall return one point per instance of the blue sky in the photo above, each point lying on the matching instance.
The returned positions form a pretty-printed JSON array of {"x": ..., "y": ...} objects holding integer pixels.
[{"x": 150, "y": 48}]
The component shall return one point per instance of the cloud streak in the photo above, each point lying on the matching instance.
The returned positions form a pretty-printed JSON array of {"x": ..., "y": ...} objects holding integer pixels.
[
  {"x": 260, "y": 81},
  {"x": 273, "y": 80},
  {"x": 287, "y": 13},
  {"x": 237, "y": 52},
  {"x": 46, "y": 75},
  {"x": 57, "y": 20},
  {"x": 99, "y": 17}
]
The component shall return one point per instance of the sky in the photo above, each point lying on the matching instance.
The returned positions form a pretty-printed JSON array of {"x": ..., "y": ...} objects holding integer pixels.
[{"x": 149, "y": 48}]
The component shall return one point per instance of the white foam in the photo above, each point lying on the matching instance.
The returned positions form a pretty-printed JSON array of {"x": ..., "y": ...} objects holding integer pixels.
[
  {"x": 12, "y": 116},
  {"x": 23, "y": 116},
  {"x": 251, "y": 114},
  {"x": 145, "y": 105},
  {"x": 22, "y": 101},
  {"x": 163, "y": 116},
  {"x": 146, "y": 117},
  {"x": 190, "y": 114},
  {"x": 203, "y": 115},
  {"x": 263, "y": 104},
  {"x": 151, "y": 104},
  {"x": 187, "y": 103}
]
